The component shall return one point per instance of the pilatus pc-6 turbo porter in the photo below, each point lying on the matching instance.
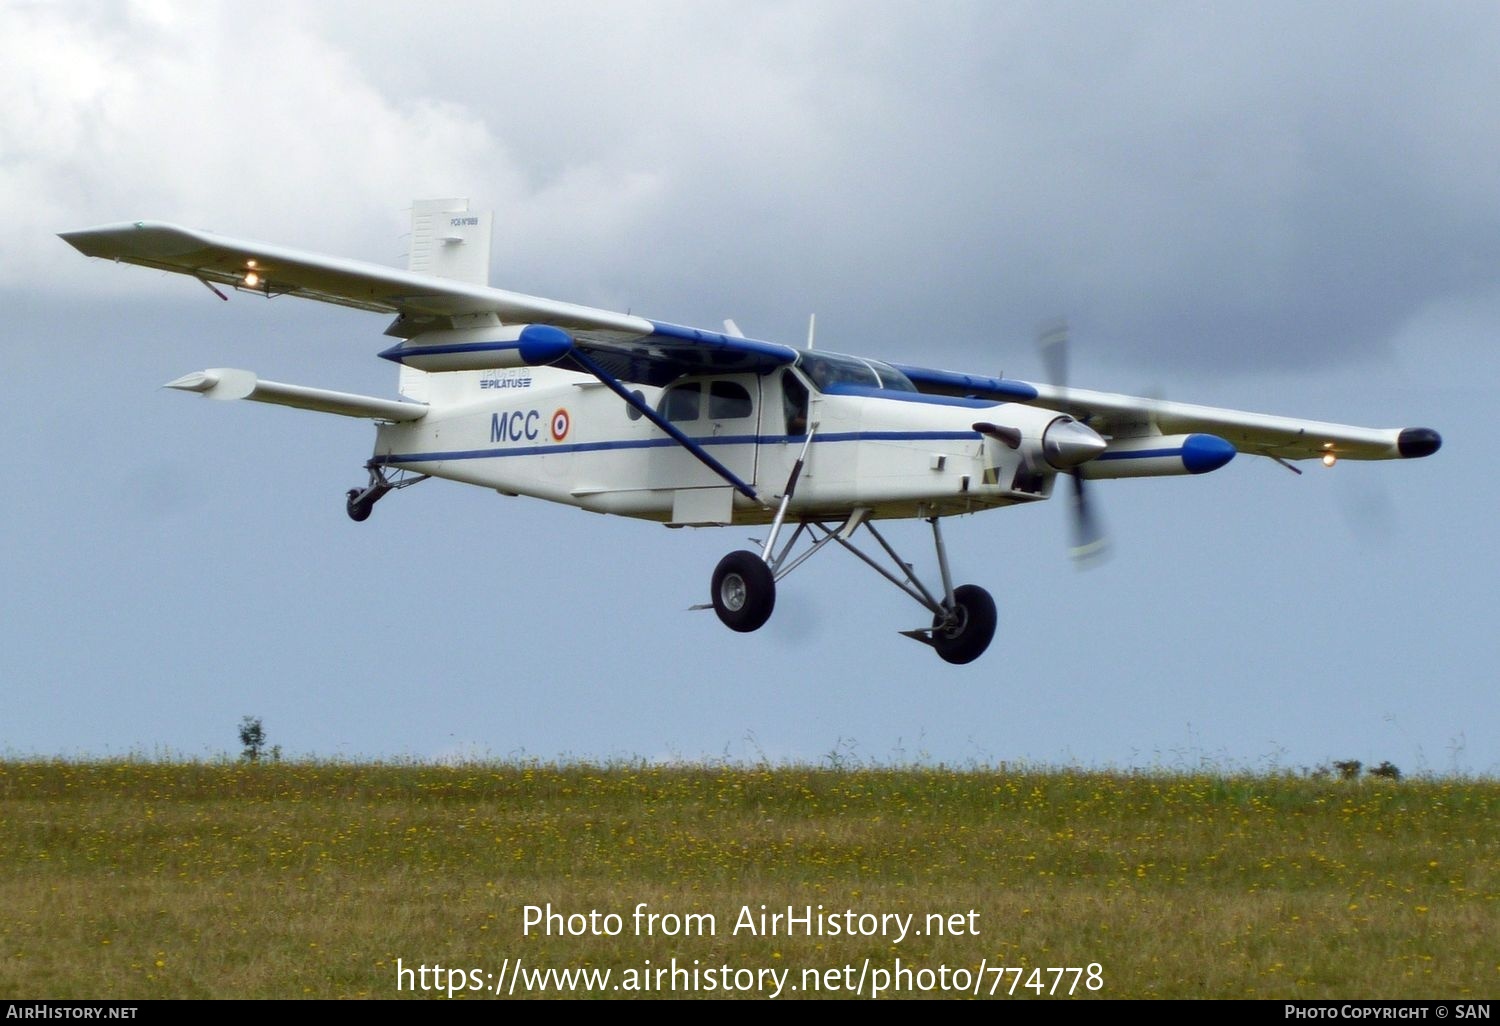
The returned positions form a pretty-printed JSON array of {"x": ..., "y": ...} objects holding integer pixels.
[{"x": 617, "y": 413}]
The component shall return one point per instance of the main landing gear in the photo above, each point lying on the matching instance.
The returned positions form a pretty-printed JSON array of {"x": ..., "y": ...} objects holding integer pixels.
[
  {"x": 744, "y": 591},
  {"x": 359, "y": 502},
  {"x": 963, "y": 618}
]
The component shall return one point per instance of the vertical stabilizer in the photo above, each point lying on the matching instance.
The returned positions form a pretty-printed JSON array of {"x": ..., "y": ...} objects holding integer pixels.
[{"x": 449, "y": 241}]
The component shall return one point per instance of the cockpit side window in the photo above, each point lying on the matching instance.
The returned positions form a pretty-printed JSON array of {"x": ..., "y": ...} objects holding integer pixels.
[
  {"x": 794, "y": 403},
  {"x": 891, "y": 379},
  {"x": 825, "y": 370}
]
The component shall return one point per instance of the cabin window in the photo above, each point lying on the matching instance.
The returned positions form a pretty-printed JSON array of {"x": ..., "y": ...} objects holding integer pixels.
[
  {"x": 728, "y": 400},
  {"x": 682, "y": 402}
]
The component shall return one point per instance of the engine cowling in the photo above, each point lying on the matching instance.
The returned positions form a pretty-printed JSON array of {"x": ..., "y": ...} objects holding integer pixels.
[{"x": 1025, "y": 462}]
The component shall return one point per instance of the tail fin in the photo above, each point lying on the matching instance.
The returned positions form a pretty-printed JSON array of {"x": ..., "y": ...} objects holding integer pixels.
[{"x": 450, "y": 242}]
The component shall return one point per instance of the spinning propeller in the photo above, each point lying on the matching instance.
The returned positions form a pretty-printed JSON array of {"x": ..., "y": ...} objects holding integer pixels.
[{"x": 1090, "y": 544}]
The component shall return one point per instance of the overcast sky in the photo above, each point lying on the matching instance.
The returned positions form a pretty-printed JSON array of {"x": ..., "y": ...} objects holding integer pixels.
[{"x": 1292, "y": 208}]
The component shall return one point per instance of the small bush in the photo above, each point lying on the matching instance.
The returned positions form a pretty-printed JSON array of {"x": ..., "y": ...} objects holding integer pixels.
[
  {"x": 1349, "y": 769},
  {"x": 253, "y": 737}
]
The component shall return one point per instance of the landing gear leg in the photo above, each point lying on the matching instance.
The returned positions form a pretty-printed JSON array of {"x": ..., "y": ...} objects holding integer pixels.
[
  {"x": 744, "y": 584},
  {"x": 963, "y": 617},
  {"x": 965, "y": 626}
]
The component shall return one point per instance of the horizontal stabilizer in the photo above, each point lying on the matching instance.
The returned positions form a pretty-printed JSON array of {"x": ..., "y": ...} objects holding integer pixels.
[{"x": 228, "y": 383}]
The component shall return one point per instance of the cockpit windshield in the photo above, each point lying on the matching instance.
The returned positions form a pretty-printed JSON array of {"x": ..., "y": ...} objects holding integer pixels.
[{"x": 826, "y": 369}]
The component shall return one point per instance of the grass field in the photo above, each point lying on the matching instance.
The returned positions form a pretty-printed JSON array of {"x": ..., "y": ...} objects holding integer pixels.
[{"x": 140, "y": 879}]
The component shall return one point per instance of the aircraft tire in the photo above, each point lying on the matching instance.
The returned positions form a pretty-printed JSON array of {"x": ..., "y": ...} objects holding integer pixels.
[
  {"x": 358, "y": 511},
  {"x": 744, "y": 591},
  {"x": 967, "y": 639}
]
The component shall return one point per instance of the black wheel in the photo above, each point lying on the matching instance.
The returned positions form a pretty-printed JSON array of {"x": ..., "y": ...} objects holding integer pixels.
[
  {"x": 971, "y": 628},
  {"x": 744, "y": 591},
  {"x": 358, "y": 511}
]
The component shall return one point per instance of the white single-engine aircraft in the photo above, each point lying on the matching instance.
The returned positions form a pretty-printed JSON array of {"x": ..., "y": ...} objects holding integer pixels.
[{"x": 616, "y": 413}]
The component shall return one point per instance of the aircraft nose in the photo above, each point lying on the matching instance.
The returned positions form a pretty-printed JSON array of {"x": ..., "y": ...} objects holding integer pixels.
[{"x": 1067, "y": 444}]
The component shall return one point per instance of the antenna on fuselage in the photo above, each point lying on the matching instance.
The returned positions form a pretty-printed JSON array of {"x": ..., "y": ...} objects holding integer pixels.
[{"x": 812, "y": 328}]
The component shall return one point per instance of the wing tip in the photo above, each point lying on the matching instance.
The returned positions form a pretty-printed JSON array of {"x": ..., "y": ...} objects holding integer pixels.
[
  {"x": 1414, "y": 443},
  {"x": 123, "y": 239}
]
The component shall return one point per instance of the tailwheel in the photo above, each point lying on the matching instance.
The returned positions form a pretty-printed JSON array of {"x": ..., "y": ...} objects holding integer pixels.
[
  {"x": 962, "y": 633},
  {"x": 744, "y": 591},
  {"x": 358, "y": 502},
  {"x": 358, "y": 508}
]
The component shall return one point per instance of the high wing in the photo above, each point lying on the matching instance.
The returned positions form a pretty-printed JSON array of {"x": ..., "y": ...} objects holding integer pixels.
[
  {"x": 638, "y": 350},
  {"x": 1124, "y": 416},
  {"x": 631, "y": 348}
]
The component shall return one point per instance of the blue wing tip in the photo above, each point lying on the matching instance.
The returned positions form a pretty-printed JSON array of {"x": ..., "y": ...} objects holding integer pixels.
[{"x": 1416, "y": 442}]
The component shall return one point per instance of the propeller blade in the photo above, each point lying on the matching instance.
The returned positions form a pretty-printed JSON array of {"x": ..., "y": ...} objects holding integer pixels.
[
  {"x": 1090, "y": 543},
  {"x": 1053, "y": 341}
]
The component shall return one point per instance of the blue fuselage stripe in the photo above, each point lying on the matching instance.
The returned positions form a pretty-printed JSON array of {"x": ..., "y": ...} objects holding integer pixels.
[
  {"x": 1139, "y": 454},
  {"x": 661, "y": 443}
]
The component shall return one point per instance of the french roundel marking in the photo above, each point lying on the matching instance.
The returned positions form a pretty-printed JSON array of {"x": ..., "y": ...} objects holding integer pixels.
[{"x": 560, "y": 424}]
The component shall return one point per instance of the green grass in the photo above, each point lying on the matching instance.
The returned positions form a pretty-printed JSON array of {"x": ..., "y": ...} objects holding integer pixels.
[{"x": 137, "y": 879}]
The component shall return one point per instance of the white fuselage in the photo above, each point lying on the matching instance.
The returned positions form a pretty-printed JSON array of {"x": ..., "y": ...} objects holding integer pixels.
[{"x": 566, "y": 437}]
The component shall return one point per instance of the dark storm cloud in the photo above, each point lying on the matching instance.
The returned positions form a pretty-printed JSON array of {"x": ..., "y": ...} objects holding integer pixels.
[
  {"x": 1219, "y": 186},
  {"x": 1281, "y": 184}
]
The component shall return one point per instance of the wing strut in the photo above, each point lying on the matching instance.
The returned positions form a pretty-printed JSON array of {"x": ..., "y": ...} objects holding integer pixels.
[{"x": 637, "y": 403}]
